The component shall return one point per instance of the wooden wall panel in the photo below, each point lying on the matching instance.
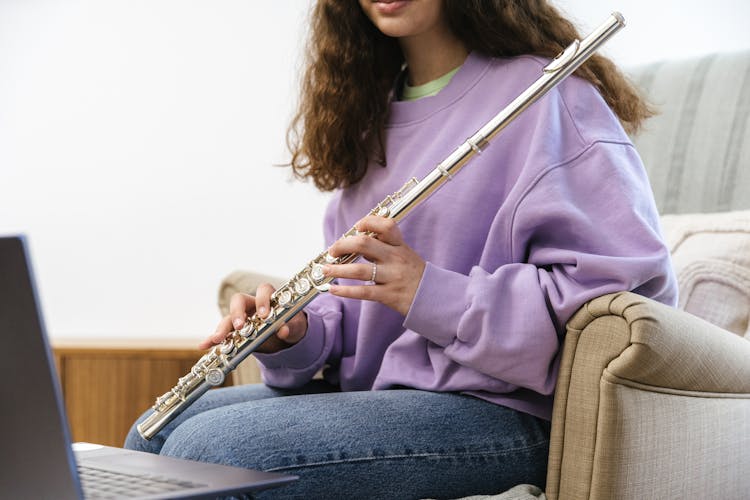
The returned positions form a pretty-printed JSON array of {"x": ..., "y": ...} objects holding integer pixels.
[{"x": 106, "y": 386}]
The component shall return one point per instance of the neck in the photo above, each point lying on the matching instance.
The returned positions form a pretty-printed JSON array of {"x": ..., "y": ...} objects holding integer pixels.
[{"x": 431, "y": 55}]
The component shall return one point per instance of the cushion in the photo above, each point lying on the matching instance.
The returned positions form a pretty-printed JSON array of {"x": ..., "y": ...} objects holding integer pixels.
[
  {"x": 697, "y": 148},
  {"x": 711, "y": 258}
]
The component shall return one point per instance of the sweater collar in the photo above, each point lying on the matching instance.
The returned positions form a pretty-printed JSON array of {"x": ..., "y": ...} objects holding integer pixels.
[{"x": 405, "y": 112}]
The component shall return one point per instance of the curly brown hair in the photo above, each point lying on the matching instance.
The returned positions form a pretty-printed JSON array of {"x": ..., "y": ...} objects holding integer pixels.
[{"x": 352, "y": 66}]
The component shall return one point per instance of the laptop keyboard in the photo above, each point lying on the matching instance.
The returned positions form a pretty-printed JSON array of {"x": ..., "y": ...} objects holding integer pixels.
[{"x": 100, "y": 483}]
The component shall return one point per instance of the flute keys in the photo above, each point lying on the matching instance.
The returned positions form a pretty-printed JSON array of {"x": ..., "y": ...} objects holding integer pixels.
[
  {"x": 271, "y": 317},
  {"x": 163, "y": 399},
  {"x": 284, "y": 298},
  {"x": 408, "y": 186},
  {"x": 316, "y": 273},
  {"x": 215, "y": 376},
  {"x": 226, "y": 347},
  {"x": 302, "y": 286},
  {"x": 246, "y": 330},
  {"x": 330, "y": 259}
]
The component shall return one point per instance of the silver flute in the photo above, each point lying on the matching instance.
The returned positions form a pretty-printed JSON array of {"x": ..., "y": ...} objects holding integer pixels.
[{"x": 295, "y": 294}]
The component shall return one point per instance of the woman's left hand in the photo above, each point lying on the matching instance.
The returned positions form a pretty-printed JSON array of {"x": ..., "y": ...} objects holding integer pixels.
[{"x": 394, "y": 269}]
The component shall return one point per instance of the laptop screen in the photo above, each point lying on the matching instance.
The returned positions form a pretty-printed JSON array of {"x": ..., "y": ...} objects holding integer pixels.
[{"x": 35, "y": 454}]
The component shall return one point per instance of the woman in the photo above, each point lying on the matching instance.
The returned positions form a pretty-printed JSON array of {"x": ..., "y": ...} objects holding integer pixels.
[{"x": 440, "y": 348}]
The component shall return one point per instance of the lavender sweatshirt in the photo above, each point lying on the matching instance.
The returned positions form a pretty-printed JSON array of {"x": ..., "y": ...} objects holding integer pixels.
[{"x": 556, "y": 211}]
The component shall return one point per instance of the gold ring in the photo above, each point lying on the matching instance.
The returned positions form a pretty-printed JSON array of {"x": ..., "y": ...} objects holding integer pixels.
[{"x": 374, "y": 272}]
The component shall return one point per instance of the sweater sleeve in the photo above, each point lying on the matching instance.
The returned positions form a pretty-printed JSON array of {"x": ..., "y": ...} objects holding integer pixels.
[
  {"x": 321, "y": 345},
  {"x": 297, "y": 364},
  {"x": 579, "y": 230}
]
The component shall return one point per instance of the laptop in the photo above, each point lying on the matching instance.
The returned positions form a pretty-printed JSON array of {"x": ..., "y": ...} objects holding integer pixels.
[{"x": 37, "y": 458}]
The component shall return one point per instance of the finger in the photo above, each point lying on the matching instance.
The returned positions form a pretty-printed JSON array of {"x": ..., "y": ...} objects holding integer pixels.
[
  {"x": 297, "y": 327},
  {"x": 292, "y": 331},
  {"x": 366, "y": 246},
  {"x": 222, "y": 330},
  {"x": 239, "y": 306},
  {"x": 386, "y": 229},
  {"x": 205, "y": 344},
  {"x": 263, "y": 299},
  {"x": 359, "y": 271},
  {"x": 361, "y": 292},
  {"x": 285, "y": 334}
]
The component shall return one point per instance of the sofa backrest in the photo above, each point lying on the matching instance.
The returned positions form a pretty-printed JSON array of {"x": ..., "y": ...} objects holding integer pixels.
[{"x": 697, "y": 149}]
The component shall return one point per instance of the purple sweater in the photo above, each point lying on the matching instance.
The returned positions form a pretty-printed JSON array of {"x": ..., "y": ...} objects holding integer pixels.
[{"x": 556, "y": 211}]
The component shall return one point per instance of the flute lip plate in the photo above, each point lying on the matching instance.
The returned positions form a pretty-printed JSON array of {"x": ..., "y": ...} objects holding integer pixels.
[{"x": 564, "y": 57}]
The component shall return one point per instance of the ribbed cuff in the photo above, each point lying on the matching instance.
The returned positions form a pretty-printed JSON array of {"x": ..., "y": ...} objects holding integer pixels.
[
  {"x": 438, "y": 305},
  {"x": 303, "y": 354}
]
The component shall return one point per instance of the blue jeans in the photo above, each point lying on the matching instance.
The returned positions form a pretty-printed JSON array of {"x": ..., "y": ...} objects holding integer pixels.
[{"x": 394, "y": 444}]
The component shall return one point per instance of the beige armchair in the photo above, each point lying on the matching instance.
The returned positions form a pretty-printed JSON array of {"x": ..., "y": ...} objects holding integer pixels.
[{"x": 653, "y": 401}]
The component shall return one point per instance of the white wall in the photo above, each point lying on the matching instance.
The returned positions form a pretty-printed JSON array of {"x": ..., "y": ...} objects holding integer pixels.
[
  {"x": 137, "y": 139},
  {"x": 658, "y": 29}
]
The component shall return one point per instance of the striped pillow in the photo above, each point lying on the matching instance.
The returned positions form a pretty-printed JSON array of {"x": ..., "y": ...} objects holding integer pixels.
[{"x": 697, "y": 149}]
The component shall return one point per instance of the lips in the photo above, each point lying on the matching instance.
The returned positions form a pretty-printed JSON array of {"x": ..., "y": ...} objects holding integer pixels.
[{"x": 389, "y": 6}]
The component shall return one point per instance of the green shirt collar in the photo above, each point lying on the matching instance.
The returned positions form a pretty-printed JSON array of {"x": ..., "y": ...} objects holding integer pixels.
[{"x": 410, "y": 93}]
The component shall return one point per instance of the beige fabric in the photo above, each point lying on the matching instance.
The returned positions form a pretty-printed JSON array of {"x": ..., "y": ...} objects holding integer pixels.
[
  {"x": 697, "y": 148},
  {"x": 719, "y": 293},
  {"x": 627, "y": 340},
  {"x": 670, "y": 446},
  {"x": 711, "y": 257},
  {"x": 573, "y": 436}
]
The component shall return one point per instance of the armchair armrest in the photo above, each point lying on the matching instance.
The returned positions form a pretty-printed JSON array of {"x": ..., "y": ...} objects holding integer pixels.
[{"x": 651, "y": 402}]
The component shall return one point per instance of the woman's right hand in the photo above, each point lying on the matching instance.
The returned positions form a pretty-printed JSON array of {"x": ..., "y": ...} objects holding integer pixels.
[{"x": 242, "y": 305}]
